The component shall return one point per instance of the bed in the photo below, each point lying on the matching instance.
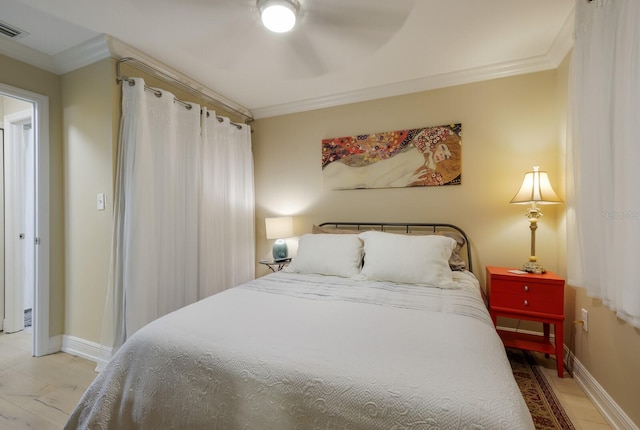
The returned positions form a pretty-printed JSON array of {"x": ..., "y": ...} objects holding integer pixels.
[{"x": 363, "y": 330}]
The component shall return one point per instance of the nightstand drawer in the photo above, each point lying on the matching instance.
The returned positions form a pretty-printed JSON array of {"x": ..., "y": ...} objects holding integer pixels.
[
  {"x": 527, "y": 288},
  {"x": 524, "y": 302},
  {"x": 527, "y": 296}
]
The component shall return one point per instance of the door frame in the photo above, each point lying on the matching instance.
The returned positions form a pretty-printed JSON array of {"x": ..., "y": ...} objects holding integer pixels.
[{"x": 41, "y": 342}]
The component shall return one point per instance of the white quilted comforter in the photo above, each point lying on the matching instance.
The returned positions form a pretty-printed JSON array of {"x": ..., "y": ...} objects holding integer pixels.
[{"x": 290, "y": 351}]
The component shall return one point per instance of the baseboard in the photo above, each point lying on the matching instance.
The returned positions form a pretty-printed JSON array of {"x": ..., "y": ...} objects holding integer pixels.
[
  {"x": 611, "y": 411},
  {"x": 86, "y": 349}
]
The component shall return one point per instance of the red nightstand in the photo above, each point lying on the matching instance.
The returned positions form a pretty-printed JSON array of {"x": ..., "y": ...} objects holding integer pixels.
[{"x": 528, "y": 297}]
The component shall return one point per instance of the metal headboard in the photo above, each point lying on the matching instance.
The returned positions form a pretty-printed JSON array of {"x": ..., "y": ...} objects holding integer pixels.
[{"x": 404, "y": 228}]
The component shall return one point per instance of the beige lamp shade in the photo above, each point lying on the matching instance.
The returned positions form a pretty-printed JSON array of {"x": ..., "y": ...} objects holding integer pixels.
[
  {"x": 279, "y": 227},
  {"x": 536, "y": 188}
]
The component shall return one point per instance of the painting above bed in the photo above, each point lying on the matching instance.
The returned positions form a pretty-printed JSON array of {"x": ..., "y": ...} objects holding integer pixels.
[{"x": 417, "y": 157}]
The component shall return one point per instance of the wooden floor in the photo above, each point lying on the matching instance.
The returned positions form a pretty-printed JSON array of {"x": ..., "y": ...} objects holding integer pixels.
[
  {"x": 580, "y": 409},
  {"x": 40, "y": 393}
]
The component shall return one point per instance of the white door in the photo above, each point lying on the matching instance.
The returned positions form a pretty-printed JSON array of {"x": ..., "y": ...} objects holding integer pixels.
[
  {"x": 19, "y": 249},
  {"x": 1, "y": 228}
]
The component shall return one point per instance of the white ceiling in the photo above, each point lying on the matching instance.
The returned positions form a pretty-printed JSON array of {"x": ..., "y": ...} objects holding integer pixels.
[{"x": 342, "y": 51}]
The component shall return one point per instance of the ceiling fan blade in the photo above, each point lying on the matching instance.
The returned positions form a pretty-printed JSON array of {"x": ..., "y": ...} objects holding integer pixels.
[
  {"x": 360, "y": 13},
  {"x": 365, "y": 24},
  {"x": 308, "y": 62},
  {"x": 330, "y": 34}
]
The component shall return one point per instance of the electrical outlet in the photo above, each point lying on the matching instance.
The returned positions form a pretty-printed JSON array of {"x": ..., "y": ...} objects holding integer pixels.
[{"x": 585, "y": 319}]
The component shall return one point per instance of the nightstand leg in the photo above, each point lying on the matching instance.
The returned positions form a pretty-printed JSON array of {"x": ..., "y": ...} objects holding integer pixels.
[
  {"x": 546, "y": 331},
  {"x": 558, "y": 331}
]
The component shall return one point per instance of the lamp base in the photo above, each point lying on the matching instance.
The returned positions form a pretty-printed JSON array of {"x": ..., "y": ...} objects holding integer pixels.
[
  {"x": 280, "y": 251},
  {"x": 532, "y": 266}
]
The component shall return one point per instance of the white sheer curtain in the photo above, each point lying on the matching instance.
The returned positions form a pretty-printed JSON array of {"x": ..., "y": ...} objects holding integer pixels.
[
  {"x": 603, "y": 171},
  {"x": 227, "y": 215},
  {"x": 164, "y": 165}
]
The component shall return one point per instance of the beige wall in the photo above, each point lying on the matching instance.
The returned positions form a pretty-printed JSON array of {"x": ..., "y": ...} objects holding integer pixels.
[
  {"x": 24, "y": 76},
  {"x": 610, "y": 351},
  {"x": 88, "y": 158},
  {"x": 508, "y": 125}
]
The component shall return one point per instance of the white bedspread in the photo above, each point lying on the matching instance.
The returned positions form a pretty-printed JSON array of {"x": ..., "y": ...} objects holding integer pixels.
[{"x": 290, "y": 351}]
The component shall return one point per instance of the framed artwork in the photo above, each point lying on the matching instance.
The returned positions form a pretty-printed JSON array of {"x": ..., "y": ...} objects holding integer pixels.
[{"x": 421, "y": 157}]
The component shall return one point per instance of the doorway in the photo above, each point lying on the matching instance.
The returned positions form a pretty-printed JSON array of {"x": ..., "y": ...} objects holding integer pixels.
[
  {"x": 25, "y": 215},
  {"x": 18, "y": 281}
]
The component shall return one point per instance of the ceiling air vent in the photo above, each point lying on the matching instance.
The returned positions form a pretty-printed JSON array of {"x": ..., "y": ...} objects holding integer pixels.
[{"x": 11, "y": 31}]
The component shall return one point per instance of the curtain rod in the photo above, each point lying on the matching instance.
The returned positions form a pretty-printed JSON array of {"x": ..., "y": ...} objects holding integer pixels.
[
  {"x": 187, "y": 105},
  {"x": 241, "y": 111}
]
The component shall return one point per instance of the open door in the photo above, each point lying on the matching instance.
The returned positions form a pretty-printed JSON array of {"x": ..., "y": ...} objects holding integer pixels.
[
  {"x": 19, "y": 249},
  {"x": 1, "y": 228}
]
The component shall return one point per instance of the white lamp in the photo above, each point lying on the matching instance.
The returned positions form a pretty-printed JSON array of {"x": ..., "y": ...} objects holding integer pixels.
[
  {"x": 279, "y": 228},
  {"x": 536, "y": 189},
  {"x": 278, "y": 16}
]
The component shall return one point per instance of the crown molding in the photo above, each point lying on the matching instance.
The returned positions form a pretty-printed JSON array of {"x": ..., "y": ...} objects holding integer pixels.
[
  {"x": 26, "y": 54},
  {"x": 81, "y": 55},
  {"x": 411, "y": 86},
  {"x": 104, "y": 46},
  {"x": 531, "y": 65},
  {"x": 562, "y": 45}
]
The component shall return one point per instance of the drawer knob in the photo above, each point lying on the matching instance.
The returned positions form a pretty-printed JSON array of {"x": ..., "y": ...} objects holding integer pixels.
[
  {"x": 526, "y": 288},
  {"x": 526, "y": 302}
]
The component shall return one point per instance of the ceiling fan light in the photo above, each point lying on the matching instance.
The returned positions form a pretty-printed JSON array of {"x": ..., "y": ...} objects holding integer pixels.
[{"x": 278, "y": 16}]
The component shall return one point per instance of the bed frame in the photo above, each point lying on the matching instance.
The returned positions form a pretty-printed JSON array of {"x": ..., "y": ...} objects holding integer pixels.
[{"x": 406, "y": 228}]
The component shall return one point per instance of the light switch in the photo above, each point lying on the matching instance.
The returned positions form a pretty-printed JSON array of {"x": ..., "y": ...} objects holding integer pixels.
[{"x": 101, "y": 201}]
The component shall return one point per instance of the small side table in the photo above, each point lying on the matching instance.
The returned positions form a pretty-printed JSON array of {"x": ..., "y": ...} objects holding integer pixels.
[
  {"x": 276, "y": 265},
  {"x": 529, "y": 297}
]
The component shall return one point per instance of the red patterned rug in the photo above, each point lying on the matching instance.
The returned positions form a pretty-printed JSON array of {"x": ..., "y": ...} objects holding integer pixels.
[{"x": 545, "y": 408}]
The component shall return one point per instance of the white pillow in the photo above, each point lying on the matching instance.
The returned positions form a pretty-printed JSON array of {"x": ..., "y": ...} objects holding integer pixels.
[
  {"x": 421, "y": 260},
  {"x": 328, "y": 254}
]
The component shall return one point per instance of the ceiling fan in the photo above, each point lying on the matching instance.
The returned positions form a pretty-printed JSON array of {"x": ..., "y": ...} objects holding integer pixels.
[{"x": 328, "y": 34}]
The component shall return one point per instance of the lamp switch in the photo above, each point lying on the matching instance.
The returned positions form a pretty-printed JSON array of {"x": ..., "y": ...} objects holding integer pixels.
[{"x": 101, "y": 201}]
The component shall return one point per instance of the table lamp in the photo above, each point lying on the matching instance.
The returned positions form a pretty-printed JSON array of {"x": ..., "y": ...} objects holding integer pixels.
[
  {"x": 279, "y": 228},
  {"x": 535, "y": 190}
]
